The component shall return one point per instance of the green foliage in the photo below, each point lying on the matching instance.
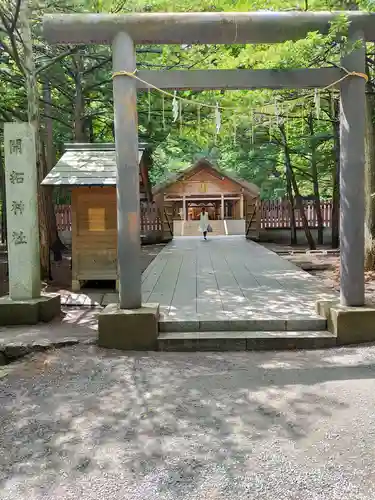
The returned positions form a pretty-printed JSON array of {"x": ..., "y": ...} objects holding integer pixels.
[{"x": 82, "y": 103}]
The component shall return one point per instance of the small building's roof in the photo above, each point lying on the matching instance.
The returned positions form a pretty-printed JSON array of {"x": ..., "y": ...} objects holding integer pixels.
[
  {"x": 205, "y": 164},
  {"x": 86, "y": 165}
]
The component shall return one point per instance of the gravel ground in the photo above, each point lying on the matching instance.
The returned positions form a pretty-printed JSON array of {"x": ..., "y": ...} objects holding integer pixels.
[{"x": 89, "y": 424}]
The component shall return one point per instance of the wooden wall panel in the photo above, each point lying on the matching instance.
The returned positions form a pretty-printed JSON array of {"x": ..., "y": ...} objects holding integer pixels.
[
  {"x": 94, "y": 246},
  {"x": 203, "y": 182}
]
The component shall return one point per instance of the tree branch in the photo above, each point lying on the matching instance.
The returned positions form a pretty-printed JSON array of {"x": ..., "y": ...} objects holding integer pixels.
[{"x": 55, "y": 60}]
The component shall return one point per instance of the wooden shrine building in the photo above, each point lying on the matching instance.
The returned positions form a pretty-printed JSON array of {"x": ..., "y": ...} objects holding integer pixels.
[
  {"x": 232, "y": 203},
  {"x": 89, "y": 171}
]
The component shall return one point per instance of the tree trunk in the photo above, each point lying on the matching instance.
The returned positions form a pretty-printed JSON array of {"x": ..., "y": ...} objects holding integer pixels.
[
  {"x": 33, "y": 117},
  {"x": 55, "y": 242},
  {"x": 145, "y": 166},
  {"x": 90, "y": 127},
  {"x": 369, "y": 185},
  {"x": 335, "y": 216},
  {"x": 315, "y": 181},
  {"x": 48, "y": 121},
  {"x": 3, "y": 201},
  {"x": 298, "y": 198},
  {"x": 79, "y": 101},
  {"x": 293, "y": 226},
  {"x": 290, "y": 196}
]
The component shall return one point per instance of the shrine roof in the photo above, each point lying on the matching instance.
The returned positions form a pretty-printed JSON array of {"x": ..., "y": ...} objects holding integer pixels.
[
  {"x": 86, "y": 165},
  {"x": 204, "y": 164}
]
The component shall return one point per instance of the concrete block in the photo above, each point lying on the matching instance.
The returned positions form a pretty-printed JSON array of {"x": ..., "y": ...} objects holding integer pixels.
[
  {"x": 323, "y": 307},
  {"x": 29, "y": 312},
  {"x": 307, "y": 324},
  {"x": 238, "y": 325},
  {"x": 171, "y": 325},
  {"x": 49, "y": 307},
  {"x": 351, "y": 325},
  {"x": 18, "y": 312},
  {"x": 317, "y": 340},
  {"x": 202, "y": 341},
  {"x": 241, "y": 341},
  {"x": 129, "y": 329}
]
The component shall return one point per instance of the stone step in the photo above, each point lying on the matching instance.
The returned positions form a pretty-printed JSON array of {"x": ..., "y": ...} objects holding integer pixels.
[
  {"x": 195, "y": 232},
  {"x": 314, "y": 323},
  {"x": 191, "y": 228},
  {"x": 244, "y": 341}
]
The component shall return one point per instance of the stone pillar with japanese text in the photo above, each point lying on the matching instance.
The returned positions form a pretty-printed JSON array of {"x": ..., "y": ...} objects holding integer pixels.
[{"x": 22, "y": 211}]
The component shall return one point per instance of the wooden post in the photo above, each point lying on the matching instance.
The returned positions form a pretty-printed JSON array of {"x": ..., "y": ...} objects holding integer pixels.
[
  {"x": 241, "y": 206},
  {"x": 222, "y": 215},
  {"x": 128, "y": 205},
  {"x": 352, "y": 210},
  {"x": 184, "y": 207},
  {"x": 76, "y": 286}
]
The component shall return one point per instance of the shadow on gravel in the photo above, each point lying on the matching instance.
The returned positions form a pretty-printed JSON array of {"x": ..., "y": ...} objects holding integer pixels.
[{"x": 160, "y": 422}]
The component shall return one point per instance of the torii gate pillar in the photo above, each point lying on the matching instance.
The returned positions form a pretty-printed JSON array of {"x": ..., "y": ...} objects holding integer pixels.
[
  {"x": 352, "y": 178},
  {"x": 126, "y": 140},
  {"x": 129, "y": 325}
]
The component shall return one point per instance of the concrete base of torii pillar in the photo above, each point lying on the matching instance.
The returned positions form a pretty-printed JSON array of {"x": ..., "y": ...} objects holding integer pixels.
[{"x": 351, "y": 325}]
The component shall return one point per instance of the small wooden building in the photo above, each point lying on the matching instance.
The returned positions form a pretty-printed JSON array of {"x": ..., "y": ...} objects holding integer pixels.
[
  {"x": 231, "y": 202},
  {"x": 89, "y": 170}
]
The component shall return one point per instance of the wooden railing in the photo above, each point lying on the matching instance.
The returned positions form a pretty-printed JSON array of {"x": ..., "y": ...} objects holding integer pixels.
[
  {"x": 63, "y": 217},
  {"x": 150, "y": 219},
  {"x": 274, "y": 215}
]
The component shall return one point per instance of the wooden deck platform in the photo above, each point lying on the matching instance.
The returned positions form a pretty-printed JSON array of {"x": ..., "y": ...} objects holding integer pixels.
[
  {"x": 228, "y": 291},
  {"x": 229, "y": 278}
]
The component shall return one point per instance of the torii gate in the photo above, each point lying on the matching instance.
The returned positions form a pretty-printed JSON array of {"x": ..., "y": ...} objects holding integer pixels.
[{"x": 124, "y": 31}]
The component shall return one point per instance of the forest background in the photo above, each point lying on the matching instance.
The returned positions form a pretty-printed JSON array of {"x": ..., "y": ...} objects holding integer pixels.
[{"x": 286, "y": 142}]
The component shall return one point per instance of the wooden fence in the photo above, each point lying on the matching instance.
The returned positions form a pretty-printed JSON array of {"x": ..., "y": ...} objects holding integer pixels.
[
  {"x": 274, "y": 215},
  {"x": 150, "y": 219},
  {"x": 63, "y": 217}
]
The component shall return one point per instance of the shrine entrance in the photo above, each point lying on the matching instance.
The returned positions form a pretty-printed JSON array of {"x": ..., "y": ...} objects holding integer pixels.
[
  {"x": 194, "y": 209},
  {"x": 124, "y": 31}
]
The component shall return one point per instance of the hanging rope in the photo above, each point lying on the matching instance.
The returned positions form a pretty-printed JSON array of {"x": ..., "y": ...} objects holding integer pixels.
[
  {"x": 217, "y": 118},
  {"x": 163, "y": 112},
  {"x": 180, "y": 117},
  {"x": 199, "y": 120},
  {"x": 175, "y": 108},
  {"x": 234, "y": 131},
  {"x": 149, "y": 105},
  {"x": 348, "y": 73},
  {"x": 169, "y": 94}
]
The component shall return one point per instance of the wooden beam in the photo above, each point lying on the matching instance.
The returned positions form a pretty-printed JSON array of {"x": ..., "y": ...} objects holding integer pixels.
[
  {"x": 198, "y": 27},
  {"x": 238, "y": 79}
]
